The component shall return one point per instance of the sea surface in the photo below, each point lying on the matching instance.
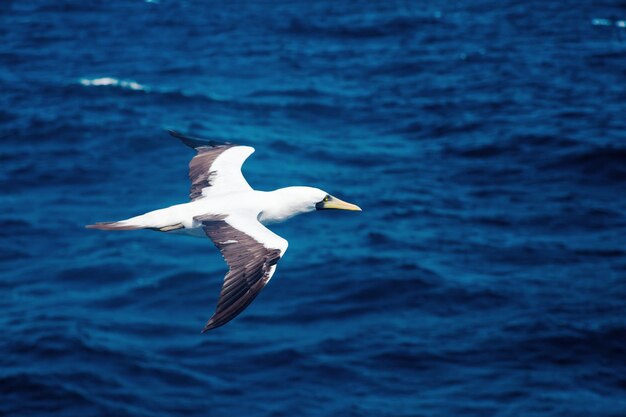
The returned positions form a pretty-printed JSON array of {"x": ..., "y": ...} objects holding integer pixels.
[{"x": 485, "y": 141}]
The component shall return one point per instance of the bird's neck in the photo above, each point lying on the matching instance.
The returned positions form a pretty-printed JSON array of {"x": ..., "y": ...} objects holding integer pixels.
[{"x": 282, "y": 204}]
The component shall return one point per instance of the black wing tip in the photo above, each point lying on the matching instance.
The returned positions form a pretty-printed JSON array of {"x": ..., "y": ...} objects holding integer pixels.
[
  {"x": 210, "y": 325},
  {"x": 195, "y": 142}
]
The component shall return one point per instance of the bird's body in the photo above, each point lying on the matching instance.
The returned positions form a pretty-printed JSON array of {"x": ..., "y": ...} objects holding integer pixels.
[
  {"x": 267, "y": 206},
  {"x": 233, "y": 215}
]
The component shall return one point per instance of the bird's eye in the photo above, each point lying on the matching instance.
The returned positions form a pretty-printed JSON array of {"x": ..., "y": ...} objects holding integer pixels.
[{"x": 326, "y": 199}]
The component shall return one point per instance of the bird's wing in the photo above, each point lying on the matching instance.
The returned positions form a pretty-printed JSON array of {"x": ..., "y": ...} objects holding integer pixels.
[
  {"x": 251, "y": 252},
  {"x": 216, "y": 168}
]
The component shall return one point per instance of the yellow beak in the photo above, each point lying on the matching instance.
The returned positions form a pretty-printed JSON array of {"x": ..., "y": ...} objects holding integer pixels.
[{"x": 337, "y": 204}]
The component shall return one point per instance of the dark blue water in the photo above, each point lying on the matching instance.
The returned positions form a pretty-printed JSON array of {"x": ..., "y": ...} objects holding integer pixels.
[{"x": 485, "y": 140}]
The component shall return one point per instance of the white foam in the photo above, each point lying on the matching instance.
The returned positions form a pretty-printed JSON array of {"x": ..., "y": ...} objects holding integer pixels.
[
  {"x": 621, "y": 23},
  {"x": 600, "y": 22},
  {"x": 112, "y": 82}
]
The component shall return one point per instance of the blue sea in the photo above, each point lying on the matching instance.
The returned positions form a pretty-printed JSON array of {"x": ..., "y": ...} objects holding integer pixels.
[{"x": 485, "y": 141}]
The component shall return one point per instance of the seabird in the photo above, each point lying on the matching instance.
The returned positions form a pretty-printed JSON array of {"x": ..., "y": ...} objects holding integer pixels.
[{"x": 225, "y": 208}]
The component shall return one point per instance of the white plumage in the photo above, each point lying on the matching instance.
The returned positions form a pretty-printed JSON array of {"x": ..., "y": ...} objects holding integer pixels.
[{"x": 225, "y": 208}]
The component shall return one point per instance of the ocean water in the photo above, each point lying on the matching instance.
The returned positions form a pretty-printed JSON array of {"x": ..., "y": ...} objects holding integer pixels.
[{"x": 485, "y": 141}]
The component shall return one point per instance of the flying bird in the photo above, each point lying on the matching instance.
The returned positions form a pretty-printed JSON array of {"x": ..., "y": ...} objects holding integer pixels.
[{"x": 225, "y": 208}]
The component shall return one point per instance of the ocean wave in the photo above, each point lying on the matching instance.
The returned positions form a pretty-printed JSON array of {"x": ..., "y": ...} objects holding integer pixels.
[
  {"x": 598, "y": 21},
  {"x": 38, "y": 394},
  {"x": 512, "y": 147},
  {"x": 605, "y": 163},
  {"x": 86, "y": 276},
  {"x": 113, "y": 82},
  {"x": 14, "y": 226},
  {"x": 75, "y": 174},
  {"x": 168, "y": 94},
  {"x": 385, "y": 26},
  {"x": 299, "y": 93},
  {"x": 319, "y": 103},
  {"x": 543, "y": 344}
]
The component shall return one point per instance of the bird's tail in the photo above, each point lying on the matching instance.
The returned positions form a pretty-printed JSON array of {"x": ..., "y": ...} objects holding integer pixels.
[{"x": 114, "y": 226}]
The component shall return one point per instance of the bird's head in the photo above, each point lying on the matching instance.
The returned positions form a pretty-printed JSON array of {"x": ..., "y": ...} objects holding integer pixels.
[
  {"x": 328, "y": 202},
  {"x": 291, "y": 201},
  {"x": 311, "y": 199}
]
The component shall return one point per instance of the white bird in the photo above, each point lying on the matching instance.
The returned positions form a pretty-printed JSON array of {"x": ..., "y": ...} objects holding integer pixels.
[{"x": 225, "y": 208}]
